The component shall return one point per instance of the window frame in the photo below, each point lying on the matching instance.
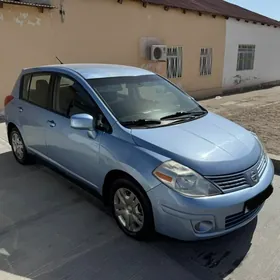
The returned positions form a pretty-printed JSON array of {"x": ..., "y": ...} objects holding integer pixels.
[
  {"x": 174, "y": 59},
  {"x": 57, "y": 77},
  {"x": 209, "y": 61},
  {"x": 246, "y": 50},
  {"x": 50, "y": 92}
]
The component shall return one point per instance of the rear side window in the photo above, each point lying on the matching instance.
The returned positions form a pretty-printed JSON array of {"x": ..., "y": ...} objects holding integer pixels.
[
  {"x": 25, "y": 86},
  {"x": 36, "y": 89}
]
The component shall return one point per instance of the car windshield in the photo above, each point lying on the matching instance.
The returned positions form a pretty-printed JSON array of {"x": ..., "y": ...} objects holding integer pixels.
[{"x": 147, "y": 97}]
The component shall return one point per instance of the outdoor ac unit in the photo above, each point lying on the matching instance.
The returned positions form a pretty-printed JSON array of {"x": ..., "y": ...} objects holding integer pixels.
[{"x": 158, "y": 52}]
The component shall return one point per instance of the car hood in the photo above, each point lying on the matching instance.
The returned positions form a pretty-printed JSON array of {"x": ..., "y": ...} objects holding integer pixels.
[{"x": 211, "y": 145}]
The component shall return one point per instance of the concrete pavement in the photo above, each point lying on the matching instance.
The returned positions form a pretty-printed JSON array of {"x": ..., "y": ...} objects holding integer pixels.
[{"x": 50, "y": 229}]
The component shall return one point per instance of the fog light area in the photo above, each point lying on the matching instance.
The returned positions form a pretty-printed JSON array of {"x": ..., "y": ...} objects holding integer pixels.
[{"x": 203, "y": 226}]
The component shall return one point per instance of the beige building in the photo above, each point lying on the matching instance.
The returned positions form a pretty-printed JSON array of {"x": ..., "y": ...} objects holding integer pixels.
[{"x": 111, "y": 31}]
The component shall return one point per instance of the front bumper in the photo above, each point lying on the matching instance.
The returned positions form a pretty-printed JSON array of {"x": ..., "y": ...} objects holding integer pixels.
[{"x": 177, "y": 216}]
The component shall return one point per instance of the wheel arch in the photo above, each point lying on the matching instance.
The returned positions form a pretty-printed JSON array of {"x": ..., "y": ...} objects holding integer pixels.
[
  {"x": 113, "y": 175},
  {"x": 10, "y": 126}
]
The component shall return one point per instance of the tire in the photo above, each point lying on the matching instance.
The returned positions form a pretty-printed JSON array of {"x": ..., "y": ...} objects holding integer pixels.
[
  {"x": 18, "y": 147},
  {"x": 137, "y": 209}
]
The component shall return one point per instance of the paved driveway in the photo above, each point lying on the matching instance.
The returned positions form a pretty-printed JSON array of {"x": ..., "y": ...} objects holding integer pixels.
[{"x": 50, "y": 229}]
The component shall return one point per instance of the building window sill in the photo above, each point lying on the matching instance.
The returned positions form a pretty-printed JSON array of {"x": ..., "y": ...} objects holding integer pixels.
[{"x": 41, "y": 7}]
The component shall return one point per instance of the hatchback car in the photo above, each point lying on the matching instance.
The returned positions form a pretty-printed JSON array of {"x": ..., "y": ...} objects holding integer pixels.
[{"x": 157, "y": 157}]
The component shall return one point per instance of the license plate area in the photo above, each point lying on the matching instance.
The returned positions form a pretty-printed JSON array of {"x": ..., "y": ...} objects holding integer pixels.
[{"x": 258, "y": 200}]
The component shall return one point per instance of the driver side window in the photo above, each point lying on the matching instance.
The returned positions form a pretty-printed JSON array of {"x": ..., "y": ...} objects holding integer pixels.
[{"x": 70, "y": 98}]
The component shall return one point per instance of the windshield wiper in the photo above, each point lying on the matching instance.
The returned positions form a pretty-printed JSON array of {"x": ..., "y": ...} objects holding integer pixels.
[
  {"x": 140, "y": 122},
  {"x": 182, "y": 113}
]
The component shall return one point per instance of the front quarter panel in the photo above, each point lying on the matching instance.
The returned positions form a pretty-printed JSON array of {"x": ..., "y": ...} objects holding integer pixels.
[{"x": 119, "y": 154}]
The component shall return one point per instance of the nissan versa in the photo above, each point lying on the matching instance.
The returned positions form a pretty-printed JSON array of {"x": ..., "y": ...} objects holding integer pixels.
[{"x": 160, "y": 160}]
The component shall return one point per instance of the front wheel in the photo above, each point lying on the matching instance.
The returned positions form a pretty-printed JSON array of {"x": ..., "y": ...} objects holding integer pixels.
[{"x": 132, "y": 209}]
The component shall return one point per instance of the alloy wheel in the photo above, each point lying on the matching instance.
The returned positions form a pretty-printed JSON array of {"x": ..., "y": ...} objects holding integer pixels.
[
  {"x": 128, "y": 210},
  {"x": 18, "y": 146}
]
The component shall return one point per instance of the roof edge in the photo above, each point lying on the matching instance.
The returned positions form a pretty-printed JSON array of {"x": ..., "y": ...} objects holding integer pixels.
[{"x": 192, "y": 6}]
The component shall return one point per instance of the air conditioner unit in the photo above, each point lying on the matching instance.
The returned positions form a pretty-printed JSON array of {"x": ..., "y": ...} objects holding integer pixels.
[{"x": 158, "y": 52}]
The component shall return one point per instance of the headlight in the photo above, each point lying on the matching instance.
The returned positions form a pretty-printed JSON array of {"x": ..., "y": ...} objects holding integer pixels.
[{"x": 184, "y": 180}]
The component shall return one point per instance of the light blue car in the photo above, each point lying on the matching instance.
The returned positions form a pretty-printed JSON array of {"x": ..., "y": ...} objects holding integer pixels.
[{"x": 158, "y": 158}]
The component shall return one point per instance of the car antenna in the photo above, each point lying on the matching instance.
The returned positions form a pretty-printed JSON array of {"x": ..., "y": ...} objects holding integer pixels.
[{"x": 59, "y": 60}]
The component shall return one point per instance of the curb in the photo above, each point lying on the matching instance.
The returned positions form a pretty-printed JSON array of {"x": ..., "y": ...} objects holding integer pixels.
[{"x": 276, "y": 162}]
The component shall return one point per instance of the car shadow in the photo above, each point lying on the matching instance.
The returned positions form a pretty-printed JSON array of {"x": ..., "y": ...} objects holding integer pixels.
[
  {"x": 214, "y": 258},
  {"x": 51, "y": 212}
]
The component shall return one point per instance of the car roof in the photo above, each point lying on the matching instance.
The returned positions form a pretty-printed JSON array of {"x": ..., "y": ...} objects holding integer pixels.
[{"x": 94, "y": 71}]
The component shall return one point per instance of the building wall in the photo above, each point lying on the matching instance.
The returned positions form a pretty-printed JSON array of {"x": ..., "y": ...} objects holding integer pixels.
[
  {"x": 267, "y": 58},
  {"x": 104, "y": 31},
  {"x": 24, "y": 42},
  {"x": 116, "y": 30}
]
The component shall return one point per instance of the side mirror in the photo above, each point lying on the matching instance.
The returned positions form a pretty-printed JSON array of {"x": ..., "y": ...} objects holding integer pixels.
[{"x": 82, "y": 122}]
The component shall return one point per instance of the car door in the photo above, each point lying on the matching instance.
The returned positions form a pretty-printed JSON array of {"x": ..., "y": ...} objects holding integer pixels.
[
  {"x": 72, "y": 149},
  {"x": 33, "y": 108}
]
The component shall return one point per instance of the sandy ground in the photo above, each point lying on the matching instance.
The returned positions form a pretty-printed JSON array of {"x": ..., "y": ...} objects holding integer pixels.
[{"x": 258, "y": 111}]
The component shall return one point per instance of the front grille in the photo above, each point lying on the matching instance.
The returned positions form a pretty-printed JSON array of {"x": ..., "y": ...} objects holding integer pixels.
[
  {"x": 241, "y": 180},
  {"x": 228, "y": 182},
  {"x": 261, "y": 165},
  {"x": 239, "y": 218}
]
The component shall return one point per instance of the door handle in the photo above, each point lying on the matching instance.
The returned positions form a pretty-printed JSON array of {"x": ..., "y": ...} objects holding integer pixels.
[
  {"x": 20, "y": 109},
  {"x": 51, "y": 123}
]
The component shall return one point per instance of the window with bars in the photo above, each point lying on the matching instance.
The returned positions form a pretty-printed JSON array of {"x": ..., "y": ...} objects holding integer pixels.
[
  {"x": 245, "y": 57},
  {"x": 174, "y": 62},
  {"x": 206, "y": 61}
]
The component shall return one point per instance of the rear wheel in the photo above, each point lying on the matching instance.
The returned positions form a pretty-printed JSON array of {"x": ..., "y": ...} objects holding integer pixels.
[
  {"x": 18, "y": 147},
  {"x": 132, "y": 209}
]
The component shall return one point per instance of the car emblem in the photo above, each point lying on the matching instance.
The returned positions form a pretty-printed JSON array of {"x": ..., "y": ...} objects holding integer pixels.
[{"x": 254, "y": 177}]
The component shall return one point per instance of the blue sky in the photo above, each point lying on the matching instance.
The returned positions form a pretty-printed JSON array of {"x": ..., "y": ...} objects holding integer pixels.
[{"x": 269, "y": 8}]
